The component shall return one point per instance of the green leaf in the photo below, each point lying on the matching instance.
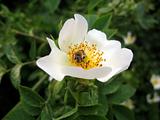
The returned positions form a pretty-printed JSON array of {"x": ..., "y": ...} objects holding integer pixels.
[
  {"x": 32, "y": 51},
  {"x": 109, "y": 87},
  {"x": 31, "y": 97},
  {"x": 56, "y": 87},
  {"x": 15, "y": 75},
  {"x": 103, "y": 104},
  {"x": 93, "y": 3},
  {"x": 89, "y": 98},
  {"x": 122, "y": 113},
  {"x": 93, "y": 117},
  {"x": 68, "y": 114},
  {"x": 46, "y": 113},
  {"x": 11, "y": 54},
  {"x": 122, "y": 94},
  {"x": 31, "y": 110},
  {"x": 108, "y": 21},
  {"x": 51, "y": 5},
  {"x": 31, "y": 101},
  {"x": 91, "y": 20},
  {"x": 103, "y": 22},
  {"x": 75, "y": 116},
  {"x": 91, "y": 110},
  {"x": 110, "y": 32},
  {"x": 18, "y": 113}
]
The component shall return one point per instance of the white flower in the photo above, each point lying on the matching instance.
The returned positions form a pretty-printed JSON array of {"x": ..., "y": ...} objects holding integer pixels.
[
  {"x": 155, "y": 81},
  {"x": 129, "y": 103},
  {"x": 129, "y": 39},
  {"x": 153, "y": 99},
  {"x": 83, "y": 54}
]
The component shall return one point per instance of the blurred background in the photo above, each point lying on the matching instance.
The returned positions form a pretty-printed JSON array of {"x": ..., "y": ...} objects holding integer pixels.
[{"x": 24, "y": 25}]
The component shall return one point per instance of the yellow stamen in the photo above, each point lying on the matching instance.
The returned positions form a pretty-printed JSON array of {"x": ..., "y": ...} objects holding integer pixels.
[{"x": 85, "y": 55}]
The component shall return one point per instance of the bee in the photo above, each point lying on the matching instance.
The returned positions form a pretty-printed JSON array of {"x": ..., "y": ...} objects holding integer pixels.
[{"x": 79, "y": 56}]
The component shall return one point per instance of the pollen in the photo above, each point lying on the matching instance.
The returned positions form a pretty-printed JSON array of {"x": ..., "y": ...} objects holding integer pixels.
[{"x": 85, "y": 55}]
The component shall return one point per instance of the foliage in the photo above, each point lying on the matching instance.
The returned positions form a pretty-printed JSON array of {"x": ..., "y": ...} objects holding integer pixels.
[{"x": 26, "y": 24}]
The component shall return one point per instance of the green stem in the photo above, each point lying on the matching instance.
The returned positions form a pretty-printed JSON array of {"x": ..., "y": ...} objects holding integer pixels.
[
  {"x": 25, "y": 63},
  {"x": 28, "y": 35},
  {"x": 29, "y": 62},
  {"x": 36, "y": 86}
]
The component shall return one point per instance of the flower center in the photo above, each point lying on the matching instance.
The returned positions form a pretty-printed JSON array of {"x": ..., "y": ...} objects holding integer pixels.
[
  {"x": 85, "y": 55},
  {"x": 155, "y": 82}
]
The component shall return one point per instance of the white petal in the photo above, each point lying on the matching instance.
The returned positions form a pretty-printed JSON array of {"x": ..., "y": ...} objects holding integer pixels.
[
  {"x": 156, "y": 87},
  {"x": 110, "y": 75},
  {"x": 52, "y": 44},
  {"x": 155, "y": 81},
  {"x": 86, "y": 74},
  {"x": 153, "y": 99},
  {"x": 96, "y": 37},
  {"x": 118, "y": 60},
  {"x": 99, "y": 38},
  {"x": 72, "y": 32},
  {"x": 53, "y": 62}
]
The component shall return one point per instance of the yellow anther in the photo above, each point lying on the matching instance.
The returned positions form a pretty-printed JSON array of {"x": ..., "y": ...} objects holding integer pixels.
[{"x": 85, "y": 55}]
